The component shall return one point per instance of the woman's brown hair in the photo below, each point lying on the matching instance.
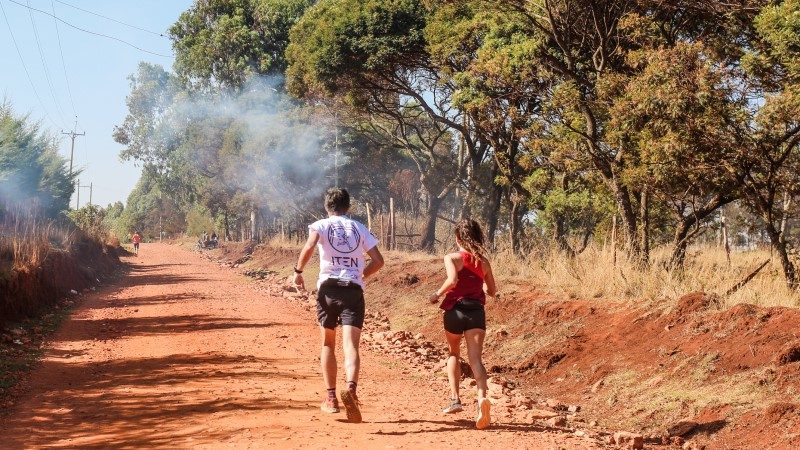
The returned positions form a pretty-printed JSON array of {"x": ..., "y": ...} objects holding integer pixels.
[{"x": 470, "y": 235}]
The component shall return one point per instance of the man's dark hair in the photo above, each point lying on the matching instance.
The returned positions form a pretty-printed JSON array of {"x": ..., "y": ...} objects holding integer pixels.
[{"x": 337, "y": 200}]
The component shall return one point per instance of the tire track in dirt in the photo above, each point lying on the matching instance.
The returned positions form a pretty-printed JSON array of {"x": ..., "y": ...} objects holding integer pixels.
[{"x": 185, "y": 354}]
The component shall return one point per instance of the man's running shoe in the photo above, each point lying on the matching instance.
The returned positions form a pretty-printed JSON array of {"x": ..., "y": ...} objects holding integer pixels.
[
  {"x": 455, "y": 407},
  {"x": 351, "y": 406},
  {"x": 330, "y": 406},
  {"x": 484, "y": 419}
]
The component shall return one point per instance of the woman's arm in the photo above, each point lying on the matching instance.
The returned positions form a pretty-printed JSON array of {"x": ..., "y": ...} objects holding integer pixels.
[
  {"x": 489, "y": 285},
  {"x": 450, "y": 282}
]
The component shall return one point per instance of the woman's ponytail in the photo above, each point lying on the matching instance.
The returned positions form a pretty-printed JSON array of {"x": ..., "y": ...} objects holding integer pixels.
[{"x": 470, "y": 234}]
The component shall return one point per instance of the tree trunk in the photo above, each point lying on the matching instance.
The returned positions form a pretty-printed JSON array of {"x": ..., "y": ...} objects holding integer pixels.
[
  {"x": 644, "y": 227},
  {"x": 429, "y": 233},
  {"x": 516, "y": 221},
  {"x": 684, "y": 230},
  {"x": 254, "y": 224},
  {"x": 629, "y": 219},
  {"x": 779, "y": 246},
  {"x": 560, "y": 237},
  {"x": 473, "y": 168},
  {"x": 681, "y": 241},
  {"x": 560, "y": 231},
  {"x": 226, "y": 225},
  {"x": 493, "y": 214}
]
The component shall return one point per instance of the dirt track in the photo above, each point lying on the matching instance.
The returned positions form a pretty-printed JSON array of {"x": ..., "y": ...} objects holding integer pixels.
[{"x": 183, "y": 353}]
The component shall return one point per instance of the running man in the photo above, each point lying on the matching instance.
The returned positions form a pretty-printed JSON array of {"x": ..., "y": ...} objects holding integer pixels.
[
  {"x": 137, "y": 239},
  {"x": 469, "y": 280},
  {"x": 342, "y": 244}
]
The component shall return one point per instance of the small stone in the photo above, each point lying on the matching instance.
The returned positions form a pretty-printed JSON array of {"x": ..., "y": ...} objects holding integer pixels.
[
  {"x": 693, "y": 446},
  {"x": 552, "y": 403},
  {"x": 593, "y": 423},
  {"x": 597, "y": 385},
  {"x": 682, "y": 427},
  {"x": 629, "y": 440},
  {"x": 557, "y": 422},
  {"x": 542, "y": 414},
  {"x": 573, "y": 408}
]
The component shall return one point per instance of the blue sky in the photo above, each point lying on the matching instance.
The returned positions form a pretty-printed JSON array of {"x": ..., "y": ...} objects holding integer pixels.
[{"x": 97, "y": 69}]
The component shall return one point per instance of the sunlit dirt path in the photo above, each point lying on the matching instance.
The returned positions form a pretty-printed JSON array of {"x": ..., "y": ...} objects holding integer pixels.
[{"x": 185, "y": 354}]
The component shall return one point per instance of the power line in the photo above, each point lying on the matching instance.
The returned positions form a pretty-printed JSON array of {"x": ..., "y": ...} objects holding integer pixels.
[
  {"x": 112, "y": 19},
  {"x": 44, "y": 65},
  {"x": 25, "y": 67},
  {"x": 63, "y": 62},
  {"x": 89, "y": 31}
]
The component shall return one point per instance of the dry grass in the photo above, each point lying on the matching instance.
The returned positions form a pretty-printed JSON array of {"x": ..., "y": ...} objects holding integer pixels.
[
  {"x": 25, "y": 241},
  {"x": 596, "y": 274},
  {"x": 658, "y": 399}
]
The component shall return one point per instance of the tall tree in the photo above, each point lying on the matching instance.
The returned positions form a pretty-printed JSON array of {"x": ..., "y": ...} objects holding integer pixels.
[
  {"x": 222, "y": 43},
  {"x": 33, "y": 175}
]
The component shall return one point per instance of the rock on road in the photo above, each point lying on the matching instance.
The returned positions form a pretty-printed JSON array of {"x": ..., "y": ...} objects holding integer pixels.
[{"x": 184, "y": 354}]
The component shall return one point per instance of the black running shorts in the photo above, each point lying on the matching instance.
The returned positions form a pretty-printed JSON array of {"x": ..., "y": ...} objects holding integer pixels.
[
  {"x": 466, "y": 315},
  {"x": 340, "y": 305}
]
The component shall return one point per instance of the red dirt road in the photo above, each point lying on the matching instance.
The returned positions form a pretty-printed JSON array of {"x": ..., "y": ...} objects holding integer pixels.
[{"x": 185, "y": 354}]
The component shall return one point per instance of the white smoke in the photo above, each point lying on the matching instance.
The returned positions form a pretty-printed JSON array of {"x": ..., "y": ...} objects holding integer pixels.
[{"x": 257, "y": 141}]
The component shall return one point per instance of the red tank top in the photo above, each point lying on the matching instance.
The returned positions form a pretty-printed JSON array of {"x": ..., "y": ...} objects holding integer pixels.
[{"x": 469, "y": 284}]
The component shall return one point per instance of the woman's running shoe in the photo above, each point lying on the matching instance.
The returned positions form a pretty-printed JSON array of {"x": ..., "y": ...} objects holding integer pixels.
[
  {"x": 454, "y": 407},
  {"x": 330, "y": 406},
  {"x": 484, "y": 419},
  {"x": 351, "y": 406}
]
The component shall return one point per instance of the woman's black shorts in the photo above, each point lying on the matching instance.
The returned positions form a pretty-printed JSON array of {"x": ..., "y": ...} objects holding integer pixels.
[
  {"x": 466, "y": 315},
  {"x": 340, "y": 304}
]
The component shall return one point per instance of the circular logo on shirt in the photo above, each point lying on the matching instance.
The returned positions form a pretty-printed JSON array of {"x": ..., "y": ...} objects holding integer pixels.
[{"x": 343, "y": 239}]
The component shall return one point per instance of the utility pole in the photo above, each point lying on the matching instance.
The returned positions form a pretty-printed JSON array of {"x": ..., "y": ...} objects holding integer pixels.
[
  {"x": 72, "y": 134},
  {"x": 78, "y": 194},
  {"x": 336, "y": 152}
]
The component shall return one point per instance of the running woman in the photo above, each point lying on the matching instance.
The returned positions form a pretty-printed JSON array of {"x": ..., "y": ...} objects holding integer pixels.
[
  {"x": 469, "y": 280},
  {"x": 342, "y": 244},
  {"x": 137, "y": 238}
]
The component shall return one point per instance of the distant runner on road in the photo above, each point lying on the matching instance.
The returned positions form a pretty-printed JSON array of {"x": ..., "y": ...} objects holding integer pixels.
[
  {"x": 469, "y": 280},
  {"x": 342, "y": 244},
  {"x": 137, "y": 238}
]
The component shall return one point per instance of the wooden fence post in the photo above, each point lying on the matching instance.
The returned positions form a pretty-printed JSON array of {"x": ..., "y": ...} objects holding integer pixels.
[
  {"x": 392, "y": 244},
  {"x": 725, "y": 243}
]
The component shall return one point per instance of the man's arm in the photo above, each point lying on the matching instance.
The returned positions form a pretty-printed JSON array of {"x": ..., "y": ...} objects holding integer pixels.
[
  {"x": 305, "y": 255},
  {"x": 375, "y": 261}
]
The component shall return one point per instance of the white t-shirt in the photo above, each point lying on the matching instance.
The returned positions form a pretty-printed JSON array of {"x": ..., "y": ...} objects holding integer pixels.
[{"x": 343, "y": 244}]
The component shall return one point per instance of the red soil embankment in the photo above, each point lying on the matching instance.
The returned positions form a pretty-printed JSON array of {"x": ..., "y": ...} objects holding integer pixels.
[
  {"x": 730, "y": 378},
  {"x": 25, "y": 291}
]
